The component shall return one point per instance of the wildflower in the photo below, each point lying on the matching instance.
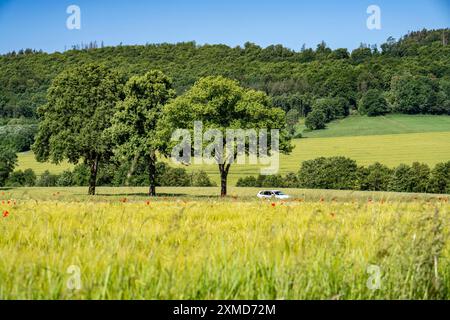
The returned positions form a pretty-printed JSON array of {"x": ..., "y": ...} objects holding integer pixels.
[
  {"x": 148, "y": 203},
  {"x": 273, "y": 204},
  {"x": 5, "y": 214}
]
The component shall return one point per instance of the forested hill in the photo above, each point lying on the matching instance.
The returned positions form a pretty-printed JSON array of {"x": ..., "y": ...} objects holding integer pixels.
[{"x": 291, "y": 78}]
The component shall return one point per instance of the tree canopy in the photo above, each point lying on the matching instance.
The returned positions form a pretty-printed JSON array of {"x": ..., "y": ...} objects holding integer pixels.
[
  {"x": 79, "y": 108},
  {"x": 221, "y": 104},
  {"x": 134, "y": 124}
]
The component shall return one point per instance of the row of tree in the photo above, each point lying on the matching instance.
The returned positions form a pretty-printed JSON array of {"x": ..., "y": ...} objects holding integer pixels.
[
  {"x": 94, "y": 116},
  {"x": 340, "y": 173}
]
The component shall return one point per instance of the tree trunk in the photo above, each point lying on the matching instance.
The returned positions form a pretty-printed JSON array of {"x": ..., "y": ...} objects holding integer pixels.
[
  {"x": 93, "y": 177},
  {"x": 224, "y": 168},
  {"x": 152, "y": 174}
]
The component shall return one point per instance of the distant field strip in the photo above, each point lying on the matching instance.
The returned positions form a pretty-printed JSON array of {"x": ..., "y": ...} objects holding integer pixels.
[
  {"x": 389, "y": 124},
  {"x": 28, "y": 161}
]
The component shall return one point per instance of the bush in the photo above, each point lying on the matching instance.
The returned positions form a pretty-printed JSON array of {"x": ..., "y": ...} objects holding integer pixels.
[
  {"x": 401, "y": 179},
  {"x": 328, "y": 173},
  {"x": 373, "y": 103},
  {"x": 175, "y": 177},
  {"x": 21, "y": 178},
  {"x": 80, "y": 175},
  {"x": 201, "y": 179},
  {"x": 65, "y": 179},
  {"x": 440, "y": 178},
  {"x": 47, "y": 179},
  {"x": 410, "y": 179},
  {"x": 315, "y": 120},
  {"x": 8, "y": 160},
  {"x": 291, "y": 180},
  {"x": 249, "y": 181},
  {"x": 375, "y": 177},
  {"x": 420, "y": 178},
  {"x": 273, "y": 181}
]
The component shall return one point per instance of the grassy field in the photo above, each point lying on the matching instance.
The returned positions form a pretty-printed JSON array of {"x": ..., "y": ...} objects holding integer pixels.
[
  {"x": 28, "y": 161},
  {"x": 388, "y": 124},
  {"x": 390, "y": 140},
  {"x": 189, "y": 244}
]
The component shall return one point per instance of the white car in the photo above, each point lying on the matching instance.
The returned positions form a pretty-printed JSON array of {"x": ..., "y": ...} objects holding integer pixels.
[{"x": 270, "y": 194}]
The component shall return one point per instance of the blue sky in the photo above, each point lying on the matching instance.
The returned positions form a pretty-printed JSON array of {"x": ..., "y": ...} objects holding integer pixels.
[{"x": 41, "y": 24}]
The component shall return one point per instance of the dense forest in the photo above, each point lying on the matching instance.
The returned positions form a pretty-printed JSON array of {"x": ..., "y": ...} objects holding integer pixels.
[{"x": 412, "y": 74}]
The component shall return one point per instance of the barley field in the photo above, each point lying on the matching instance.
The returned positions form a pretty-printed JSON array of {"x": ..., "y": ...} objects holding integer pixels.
[
  {"x": 57, "y": 243},
  {"x": 390, "y": 139}
]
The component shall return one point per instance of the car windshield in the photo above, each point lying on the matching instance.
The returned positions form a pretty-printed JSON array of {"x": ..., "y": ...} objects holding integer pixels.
[{"x": 278, "y": 193}]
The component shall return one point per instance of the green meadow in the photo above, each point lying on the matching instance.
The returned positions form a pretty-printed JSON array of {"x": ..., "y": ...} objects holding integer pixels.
[{"x": 382, "y": 125}]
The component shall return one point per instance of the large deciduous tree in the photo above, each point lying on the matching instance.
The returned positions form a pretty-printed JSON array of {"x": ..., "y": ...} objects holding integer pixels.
[
  {"x": 221, "y": 104},
  {"x": 134, "y": 124},
  {"x": 79, "y": 108}
]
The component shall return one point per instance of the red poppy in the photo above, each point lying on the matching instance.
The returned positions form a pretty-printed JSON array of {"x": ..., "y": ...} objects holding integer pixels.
[
  {"x": 148, "y": 203},
  {"x": 273, "y": 204},
  {"x": 5, "y": 214}
]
